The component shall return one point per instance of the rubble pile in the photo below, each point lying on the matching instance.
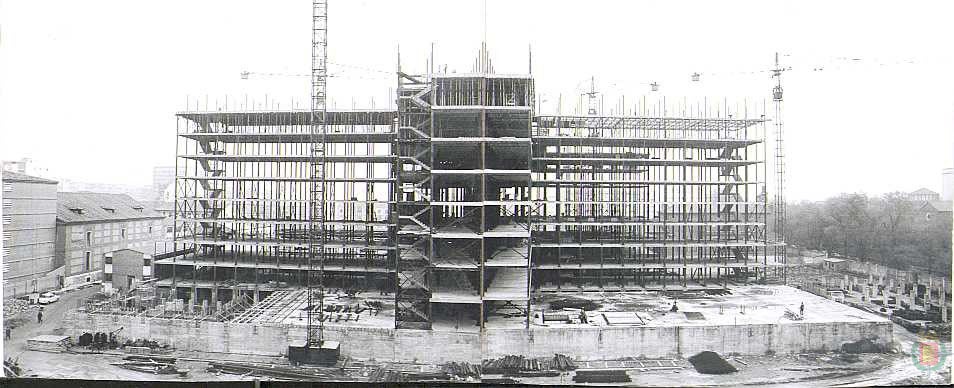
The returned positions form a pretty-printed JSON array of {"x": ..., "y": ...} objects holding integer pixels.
[{"x": 711, "y": 363}]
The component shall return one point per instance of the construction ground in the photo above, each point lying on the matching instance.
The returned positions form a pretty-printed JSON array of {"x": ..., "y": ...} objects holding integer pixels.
[{"x": 760, "y": 305}]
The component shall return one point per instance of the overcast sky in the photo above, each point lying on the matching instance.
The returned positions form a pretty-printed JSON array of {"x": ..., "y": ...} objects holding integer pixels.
[{"x": 90, "y": 88}]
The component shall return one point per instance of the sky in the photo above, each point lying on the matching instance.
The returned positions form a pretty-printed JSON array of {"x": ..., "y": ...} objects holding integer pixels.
[{"x": 91, "y": 88}]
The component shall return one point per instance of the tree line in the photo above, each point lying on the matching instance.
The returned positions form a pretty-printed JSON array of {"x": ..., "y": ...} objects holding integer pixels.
[{"x": 888, "y": 230}]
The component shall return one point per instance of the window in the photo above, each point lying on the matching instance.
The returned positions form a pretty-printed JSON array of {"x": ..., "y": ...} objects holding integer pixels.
[
  {"x": 108, "y": 277},
  {"x": 108, "y": 260},
  {"x": 7, "y": 219},
  {"x": 150, "y": 230},
  {"x": 7, "y": 187},
  {"x": 88, "y": 263},
  {"x": 109, "y": 209},
  {"x": 146, "y": 262},
  {"x": 77, "y": 210},
  {"x": 89, "y": 238},
  {"x": 123, "y": 233},
  {"x": 7, "y": 203}
]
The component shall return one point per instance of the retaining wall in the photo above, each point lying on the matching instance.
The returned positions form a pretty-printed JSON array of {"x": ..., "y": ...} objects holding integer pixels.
[
  {"x": 683, "y": 341},
  {"x": 272, "y": 340},
  {"x": 437, "y": 347}
]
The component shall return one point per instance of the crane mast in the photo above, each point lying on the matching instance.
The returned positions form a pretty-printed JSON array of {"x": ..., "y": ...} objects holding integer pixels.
[{"x": 317, "y": 133}]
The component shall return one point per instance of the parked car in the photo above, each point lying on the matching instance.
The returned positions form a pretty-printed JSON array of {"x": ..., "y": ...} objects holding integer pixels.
[{"x": 48, "y": 297}]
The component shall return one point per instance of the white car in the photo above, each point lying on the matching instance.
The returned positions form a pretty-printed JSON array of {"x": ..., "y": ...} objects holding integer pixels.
[{"x": 47, "y": 298}]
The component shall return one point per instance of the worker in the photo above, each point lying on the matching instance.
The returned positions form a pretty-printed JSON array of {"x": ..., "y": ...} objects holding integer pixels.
[
  {"x": 674, "y": 307},
  {"x": 6, "y": 332},
  {"x": 39, "y": 316},
  {"x": 801, "y": 309}
]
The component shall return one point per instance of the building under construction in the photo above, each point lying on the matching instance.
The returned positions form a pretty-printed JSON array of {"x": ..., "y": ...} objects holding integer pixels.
[{"x": 463, "y": 203}]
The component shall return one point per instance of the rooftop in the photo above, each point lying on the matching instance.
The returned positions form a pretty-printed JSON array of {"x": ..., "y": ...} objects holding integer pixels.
[
  {"x": 923, "y": 191},
  {"x": 939, "y": 206},
  {"x": 84, "y": 206},
  {"x": 17, "y": 177}
]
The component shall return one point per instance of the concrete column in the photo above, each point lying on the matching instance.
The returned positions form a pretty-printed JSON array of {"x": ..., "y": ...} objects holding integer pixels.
[
  {"x": 914, "y": 294},
  {"x": 943, "y": 300},
  {"x": 884, "y": 295}
]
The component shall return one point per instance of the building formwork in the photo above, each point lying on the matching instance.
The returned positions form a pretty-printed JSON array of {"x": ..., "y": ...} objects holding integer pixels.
[{"x": 464, "y": 202}]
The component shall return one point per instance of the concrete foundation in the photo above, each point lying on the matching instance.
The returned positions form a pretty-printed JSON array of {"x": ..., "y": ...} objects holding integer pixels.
[{"x": 754, "y": 328}]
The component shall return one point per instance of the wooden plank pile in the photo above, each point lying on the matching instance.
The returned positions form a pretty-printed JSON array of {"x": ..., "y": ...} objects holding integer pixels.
[
  {"x": 49, "y": 343},
  {"x": 513, "y": 364},
  {"x": 601, "y": 376},
  {"x": 275, "y": 371},
  {"x": 462, "y": 370}
]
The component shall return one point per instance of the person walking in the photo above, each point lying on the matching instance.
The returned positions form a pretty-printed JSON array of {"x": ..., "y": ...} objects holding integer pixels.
[
  {"x": 39, "y": 316},
  {"x": 801, "y": 309},
  {"x": 6, "y": 332}
]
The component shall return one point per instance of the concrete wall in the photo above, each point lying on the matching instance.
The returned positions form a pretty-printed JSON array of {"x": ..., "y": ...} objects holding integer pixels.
[
  {"x": 435, "y": 346},
  {"x": 682, "y": 341},
  {"x": 273, "y": 340}
]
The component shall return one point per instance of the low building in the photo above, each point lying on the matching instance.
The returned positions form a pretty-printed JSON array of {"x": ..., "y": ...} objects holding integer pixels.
[
  {"x": 923, "y": 194},
  {"x": 89, "y": 225},
  {"x": 834, "y": 264},
  {"x": 29, "y": 235},
  {"x": 125, "y": 269},
  {"x": 932, "y": 209}
]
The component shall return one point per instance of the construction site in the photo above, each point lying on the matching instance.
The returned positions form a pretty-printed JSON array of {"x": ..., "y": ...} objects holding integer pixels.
[{"x": 465, "y": 235}]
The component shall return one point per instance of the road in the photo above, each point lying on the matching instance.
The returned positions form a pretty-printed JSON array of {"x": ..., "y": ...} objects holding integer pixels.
[{"x": 52, "y": 320}]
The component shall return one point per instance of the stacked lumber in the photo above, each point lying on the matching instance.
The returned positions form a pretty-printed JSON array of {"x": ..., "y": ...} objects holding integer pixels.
[
  {"x": 601, "y": 376},
  {"x": 49, "y": 343},
  {"x": 273, "y": 371},
  {"x": 462, "y": 370},
  {"x": 387, "y": 375},
  {"x": 513, "y": 364}
]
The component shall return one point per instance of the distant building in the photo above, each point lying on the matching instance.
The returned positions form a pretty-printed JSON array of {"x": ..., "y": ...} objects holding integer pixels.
[
  {"x": 947, "y": 184},
  {"x": 932, "y": 209},
  {"x": 835, "y": 264},
  {"x": 125, "y": 269},
  {"x": 29, "y": 234},
  {"x": 89, "y": 225},
  {"x": 923, "y": 194},
  {"x": 26, "y": 166},
  {"x": 163, "y": 176}
]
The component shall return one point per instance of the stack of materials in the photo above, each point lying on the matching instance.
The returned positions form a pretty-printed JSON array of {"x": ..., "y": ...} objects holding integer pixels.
[
  {"x": 711, "y": 363},
  {"x": 462, "y": 370},
  {"x": 49, "y": 343},
  {"x": 154, "y": 365},
  {"x": 862, "y": 346},
  {"x": 387, "y": 375},
  {"x": 601, "y": 376},
  {"x": 276, "y": 371},
  {"x": 512, "y": 364}
]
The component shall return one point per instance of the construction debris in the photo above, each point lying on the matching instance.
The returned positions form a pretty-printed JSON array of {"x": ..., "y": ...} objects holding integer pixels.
[
  {"x": 862, "y": 346},
  {"x": 11, "y": 368},
  {"x": 711, "y": 363}
]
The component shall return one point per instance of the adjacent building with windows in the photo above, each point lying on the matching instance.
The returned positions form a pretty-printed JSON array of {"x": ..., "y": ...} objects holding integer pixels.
[
  {"x": 29, "y": 231},
  {"x": 90, "y": 225}
]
